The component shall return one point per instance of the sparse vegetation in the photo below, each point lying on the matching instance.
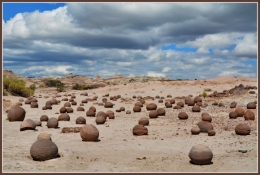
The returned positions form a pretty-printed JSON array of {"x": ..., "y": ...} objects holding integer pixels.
[
  {"x": 16, "y": 87},
  {"x": 32, "y": 86},
  {"x": 55, "y": 83},
  {"x": 82, "y": 87},
  {"x": 204, "y": 94},
  {"x": 42, "y": 86}
]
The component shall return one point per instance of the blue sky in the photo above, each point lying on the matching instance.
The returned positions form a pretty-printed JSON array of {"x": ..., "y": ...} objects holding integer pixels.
[{"x": 166, "y": 40}]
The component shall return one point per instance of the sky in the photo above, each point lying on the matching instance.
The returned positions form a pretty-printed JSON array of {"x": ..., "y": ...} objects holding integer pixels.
[{"x": 173, "y": 40}]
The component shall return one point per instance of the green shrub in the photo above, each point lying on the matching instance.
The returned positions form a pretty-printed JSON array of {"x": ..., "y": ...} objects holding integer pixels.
[
  {"x": 204, "y": 94},
  {"x": 5, "y": 92},
  {"x": 60, "y": 87},
  {"x": 42, "y": 86},
  {"x": 16, "y": 87},
  {"x": 82, "y": 87},
  {"x": 53, "y": 83},
  {"x": 32, "y": 87}
]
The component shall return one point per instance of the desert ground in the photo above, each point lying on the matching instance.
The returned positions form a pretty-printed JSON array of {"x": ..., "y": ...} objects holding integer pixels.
[{"x": 164, "y": 149}]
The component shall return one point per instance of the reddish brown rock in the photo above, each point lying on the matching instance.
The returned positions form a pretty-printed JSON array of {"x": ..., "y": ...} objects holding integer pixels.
[
  {"x": 139, "y": 104},
  {"x": 137, "y": 109},
  {"x": 251, "y": 105},
  {"x": 161, "y": 112},
  {"x": 52, "y": 123},
  {"x": 44, "y": 118},
  {"x": 181, "y": 104},
  {"x": 177, "y": 107},
  {"x": 27, "y": 124},
  {"x": 89, "y": 133},
  {"x": 200, "y": 155},
  {"x": 64, "y": 117},
  {"x": 233, "y": 115},
  {"x": 211, "y": 133},
  {"x": 249, "y": 115},
  {"x": 240, "y": 112},
  {"x": 92, "y": 108},
  {"x": 80, "y": 120},
  {"x": 144, "y": 121},
  {"x": 196, "y": 108},
  {"x": 205, "y": 126},
  {"x": 153, "y": 114},
  {"x": 80, "y": 108},
  {"x": 151, "y": 106},
  {"x": 242, "y": 129},
  {"x": 139, "y": 130},
  {"x": 16, "y": 113},
  {"x": 108, "y": 105},
  {"x": 43, "y": 149},
  {"x": 183, "y": 116},
  {"x": 195, "y": 130},
  {"x": 90, "y": 113},
  {"x": 69, "y": 110},
  {"x": 168, "y": 105}
]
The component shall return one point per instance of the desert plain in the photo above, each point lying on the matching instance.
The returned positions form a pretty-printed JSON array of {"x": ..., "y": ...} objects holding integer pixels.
[{"x": 164, "y": 149}]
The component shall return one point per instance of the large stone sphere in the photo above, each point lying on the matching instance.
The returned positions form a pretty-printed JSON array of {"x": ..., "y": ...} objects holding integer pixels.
[
  {"x": 249, "y": 115},
  {"x": 140, "y": 130},
  {"x": 197, "y": 99},
  {"x": 195, "y": 130},
  {"x": 242, "y": 129},
  {"x": 27, "y": 124},
  {"x": 168, "y": 105},
  {"x": 183, "y": 116},
  {"x": 80, "y": 120},
  {"x": 67, "y": 104},
  {"x": 206, "y": 117},
  {"x": 89, "y": 133},
  {"x": 80, "y": 108},
  {"x": 63, "y": 110},
  {"x": 251, "y": 105},
  {"x": 181, "y": 104},
  {"x": 139, "y": 104},
  {"x": 64, "y": 117},
  {"x": 90, "y": 113},
  {"x": 44, "y": 118},
  {"x": 52, "y": 123},
  {"x": 92, "y": 108},
  {"x": 200, "y": 154},
  {"x": 137, "y": 109},
  {"x": 205, "y": 126},
  {"x": 196, "y": 108},
  {"x": 144, "y": 121},
  {"x": 69, "y": 110},
  {"x": 100, "y": 119},
  {"x": 151, "y": 106},
  {"x": 232, "y": 115},
  {"x": 153, "y": 114},
  {"x": 161, "y": 111},
  {"x": 16, "y": 113},
  {"x": 240, "y": 112},
  {"x": 44, "y": 149},
  {"x": 108, "y": 105}
]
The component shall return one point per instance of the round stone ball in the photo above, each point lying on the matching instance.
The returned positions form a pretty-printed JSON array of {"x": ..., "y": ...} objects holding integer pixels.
[
  {"x": 196, "y": 108},
  {"x": 118, "y": 110},
  {"x": 197, "y": 99},
  {"x": 169, "y": 96},
  {"x": 242, "y": 129},
  {"x": 206, "y": 117},
  {"x": 54, "y": 101},
  {"x": 74, "y": 103},
  {"x": 44, "y": 118},
  {"x": 44, "y": 136},
  {"x": 232, "y": 115},
  {"x": 27, "y": 102},
  {"x": 139, "y": 130},
  {"x": 221, "y": 104},
  {"x": 64, "y": 117},
  {"x": 177, "y": 107},
  {"x": 52, "y": 123},
  {"x": 63, "y": 110},
  {"x": 102, "y": 113},
  {"x": 108, "y": 105},
  {"x": 67, "y": 104},
  {"x": 44, "y": 108},
  {"x": 111, "y": 115},
  {"x": 172, "y": 101},
  {"x": 27, "y": 124},
  {"x": 84, "y": 101},
  {"x": 90, "y": 113},
  {"x": 199, "y": 103},
  {"x": 153, "y": 114},
  {"x": 122, "y": 109},
  {"x": 205, "y": 126},
  {"x": 190, "y": 102},
  {"x": 249, "y": 115},
  {"x": 128, "y": 112},
  {"x": 187, "y": 99},
  {"x": 34, "y": 100},
  {"x": 80, "y": 120},
  {"x": 233, "y": 104},
  {"x": 211, "y": 133},
  {"x": 137, "y": 109},
  {"x": 92, "y": 108},
  {"x": 80, "y": 108},
  {"x": 200, "y": 155},
  {"x": 251, "y": 105},
  {"x": 139, "y": 104},
  {"x": 34, "y": 105},
  {"x": 48, "y": 107},
  {"x": 144, "y": 121},
  {"x": 65, "y": 99},
  {"x": 69, "y": 110},
  {"x": 181, "y": 104},
  {"x": 89, "y": 133},
  {"x": 183, "y": 116},
  {"x": 151, "y": 106},
  {"x": 240, "y": 112},
  {"x": 161, "y": 111},
  {"x": 142, "y": 101},
  {"x": 38, "y": 123},
  {"x": 160, "y": 101},
  {"x": 195, "y": 130},
  {"x": 43, "y": 149},
  {"x": 100, "y": 120},
  {"x": 16, "y": 113},
  {"x": 168, "y": 105}
]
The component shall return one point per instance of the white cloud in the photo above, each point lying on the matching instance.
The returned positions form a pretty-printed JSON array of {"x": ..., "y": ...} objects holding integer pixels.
[
  {"x": 124, "y": 64},
  {"x": 166, "y": 69},
  {"x": 203, "y": 50},
  {"x": 155, "y": 74}
]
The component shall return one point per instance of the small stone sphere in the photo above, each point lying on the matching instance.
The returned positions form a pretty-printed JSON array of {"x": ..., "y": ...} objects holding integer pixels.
[
  {"x": 181, "y": 104},
  {"x": 197, "y": 99},
  {"x": 27, "y": 102},
  {"x": 104, "y": 100},
  {"x": 137, "y": 109},
  {"x": 177, "y": 107},
  {"x": 195, "y": 130},
  {"x": 34, "y": 105},
  {"x": 89, "y": 133},
  {"x": 71, "y": 100},
  {"x": 139, "y": 104},
  {"x": 153, "y": 114},
  {"x": 168, "y": 105},
  {"x": 240, "y": 112},
  {"x": 118, "y": 110},
  {"x": 80, "y": 108},
  {"x": 84, "y": 101},
  {"x": 63, "y": 110},
  {"x": 44, "y": 118},
  {"x": 161, "y": 111},
  {"x": 128, "y": 112},
  {"x": 44, "y": 136},
  {"x": 169, "y": 96},
  {"x": 54, "y": 101},
  {"x": 38, "y": 123},
  {"x": 109, "y": 112},
  {"x": 233, "y": 104},
  {"x": 249, "y": 115},
  {"x": 199, "y": 103},
  {"x": 190, "y": 102},
  {"x": 64, "y": 117},
  {"x": 34, "y": 100},
  {"x": 111, "y": 115},
  {"x": 92, "y": 108},
  {"x": 43, "y": 149},
  {"x": 108, "y": 105},
  {"x": 80, "y": 120},
  {"x": 151, "y": 106},
  {"x": 142, "y": 101},
  {"x": 139, "y": 130},
  {"x": 232, "y": 115},
  {"x": 44, "y": 108},
  {"x": 69, "y": 110},
  {"x": 206, "y": 117},
  {"x": 90, "y": 113},
  {"x": 196, "y": 108},
  {"x": 74, "y": 103},
  {"x": 183, "y": 116},
  {"x": 186, "y": 99},
  {"x": 67, "y": 104},
  {"x": 221, "y": 104},
  {"x": 157, "y": 96},
  {"x": 101, "y": 113},
  {"x": 144, "y": 121},
  {"x": 160, "y": 101},
  {"x": 48, "y": 103},
  {"x": 172, "y": 101},
  {"x": 27, "y": 124},
  {"x": 16, "y": 113},
  {"x": 122, "y": 109},
  {"x": 242, "y": 129},
  {"x": 251, "y": 105},
  {"x": 205, "y": 126},
  {"x": 48, "y": 107},
  {"x": 200, "y": 155},
  {"x": 211, "y": 133},
  {"x": 52, "y": 123},
  {"x": 81, "y": 104}
]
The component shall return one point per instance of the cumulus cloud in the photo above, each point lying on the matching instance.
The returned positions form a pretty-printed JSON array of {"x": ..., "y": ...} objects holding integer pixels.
[{"x": 110, "y": 38}]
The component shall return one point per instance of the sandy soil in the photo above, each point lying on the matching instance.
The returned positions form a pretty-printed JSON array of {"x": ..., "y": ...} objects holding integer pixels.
[{"x": 166, "y": 147}]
